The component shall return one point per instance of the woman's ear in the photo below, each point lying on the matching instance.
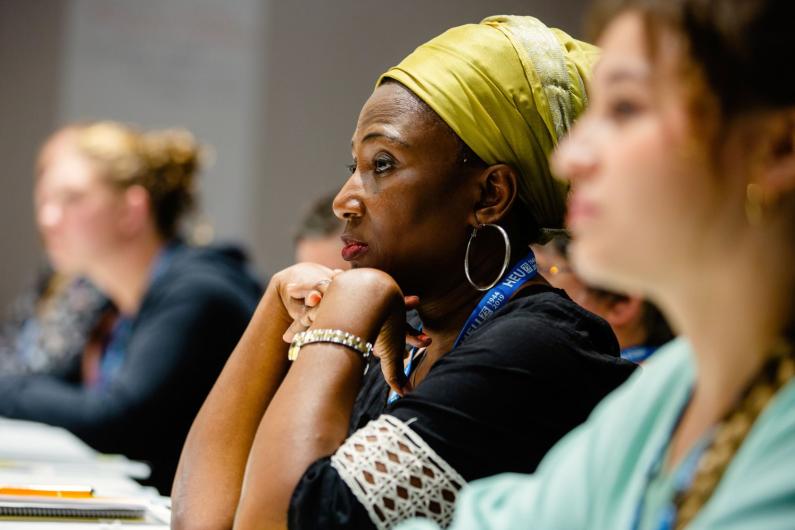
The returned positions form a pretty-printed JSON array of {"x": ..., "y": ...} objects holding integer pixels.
[
  {"x": 498, "y": 186},
  {"x": 775, "y": 172},
  {"x": 137, "y": 211}
]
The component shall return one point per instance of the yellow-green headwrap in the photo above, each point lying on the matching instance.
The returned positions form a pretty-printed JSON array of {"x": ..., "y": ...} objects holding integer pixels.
[{"x": 510, "y": 87}]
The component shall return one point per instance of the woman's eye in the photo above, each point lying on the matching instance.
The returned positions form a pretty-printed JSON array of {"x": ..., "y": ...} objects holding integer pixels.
[
  {"x": 382, "y": 165},
  {"x": 623, "y": 109},
  {"x": 351, "y": 168},
  {"x": 67, "y": 198}
]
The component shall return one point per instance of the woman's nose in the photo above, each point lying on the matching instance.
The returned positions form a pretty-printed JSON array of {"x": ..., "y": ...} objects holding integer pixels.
[
  {"x": 574, "y": 158},
  {"x": 348, "y": 202}
]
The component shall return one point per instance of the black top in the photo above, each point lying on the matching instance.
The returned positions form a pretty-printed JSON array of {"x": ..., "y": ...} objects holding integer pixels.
[
  {"x": 495, "y": 404},
  {"x": 189, "y": 321}
]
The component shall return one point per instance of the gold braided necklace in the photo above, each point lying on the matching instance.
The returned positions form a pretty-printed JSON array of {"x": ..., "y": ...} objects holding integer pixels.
[{"x": 731, "y": 432}]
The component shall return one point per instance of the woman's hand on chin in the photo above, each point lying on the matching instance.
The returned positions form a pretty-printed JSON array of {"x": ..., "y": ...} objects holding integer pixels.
[
  {"x": 301, "y": 288},
  {"x": 370, "y": 304}
]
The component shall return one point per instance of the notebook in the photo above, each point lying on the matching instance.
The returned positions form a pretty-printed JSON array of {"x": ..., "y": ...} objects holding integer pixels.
[{"x": 29, "y": 506}]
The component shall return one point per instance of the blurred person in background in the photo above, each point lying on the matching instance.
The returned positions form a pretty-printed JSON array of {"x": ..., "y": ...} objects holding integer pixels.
[
  {"x": 639, "y": 325},
  {"x": 318, "y": 237},
  {"x": 109, "y": 203},
  {"x": 48, "y": 325}
]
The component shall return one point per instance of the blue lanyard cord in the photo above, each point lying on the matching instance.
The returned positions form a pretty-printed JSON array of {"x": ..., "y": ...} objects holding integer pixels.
[
  {"x": 524, "y": 270},
  {"x": 637, "y": 354},
  {"x": 498, "y": 295}
]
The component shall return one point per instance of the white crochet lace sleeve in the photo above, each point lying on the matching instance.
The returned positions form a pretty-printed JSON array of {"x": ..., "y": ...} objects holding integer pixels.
[{"x": 396, "y": 475}]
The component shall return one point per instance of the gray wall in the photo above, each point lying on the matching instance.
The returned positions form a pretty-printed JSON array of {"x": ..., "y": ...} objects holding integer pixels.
[
  {"x": 274, "y": 86},
  {"x": 188, "y": 63},
  {"x": 30, "y": 38}
]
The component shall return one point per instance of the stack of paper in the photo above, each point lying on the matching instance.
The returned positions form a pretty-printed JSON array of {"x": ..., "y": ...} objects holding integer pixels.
[
  {"x": 28, "y": 506},
  {"x": 51, "y": 480}
]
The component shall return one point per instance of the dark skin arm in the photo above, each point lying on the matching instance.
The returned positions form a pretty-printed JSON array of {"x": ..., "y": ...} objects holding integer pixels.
[
  {"x": 262, "y": 426},
  {"x": 309, "y": 415},
  {"x": 210, "y": 473}
]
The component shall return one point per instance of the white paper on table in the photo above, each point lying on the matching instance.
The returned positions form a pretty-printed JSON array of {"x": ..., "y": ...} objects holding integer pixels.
[{"x": 25, "y": 444}]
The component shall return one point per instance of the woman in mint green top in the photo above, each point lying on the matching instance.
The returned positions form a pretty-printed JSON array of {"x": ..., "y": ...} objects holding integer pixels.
[
  {"x": 595, "y": 477},
  {"x": 683, "y": 174}
]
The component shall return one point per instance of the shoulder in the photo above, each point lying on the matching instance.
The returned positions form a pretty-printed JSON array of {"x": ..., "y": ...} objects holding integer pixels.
[
  {"x": 773, "y": 436},
  {"x": 546, "y": 312},
  {"x": 757, "y": 489},
  {"x": 546, "y": 323},
  {"x": 222, "y": 263},
  {"x": 213, "y": 273},
  {"x": 656, "y": 389}
]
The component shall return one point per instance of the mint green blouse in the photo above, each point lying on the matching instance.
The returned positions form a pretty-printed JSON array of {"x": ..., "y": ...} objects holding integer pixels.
[{"x": 595, "y": 477}]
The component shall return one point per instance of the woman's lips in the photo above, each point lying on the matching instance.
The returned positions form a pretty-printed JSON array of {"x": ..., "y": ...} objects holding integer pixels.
[
  {"x": 353, "y": 248},
  {"x": 580, "y": 210}
]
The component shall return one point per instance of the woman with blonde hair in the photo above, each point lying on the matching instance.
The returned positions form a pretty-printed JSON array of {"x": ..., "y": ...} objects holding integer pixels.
[
  {"x": 109, "y": 201},
  {"x": 684, "y": 188}
]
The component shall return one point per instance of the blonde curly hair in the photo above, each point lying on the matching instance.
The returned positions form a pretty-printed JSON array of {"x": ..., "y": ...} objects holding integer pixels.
[{"x": 164, "y": 162}]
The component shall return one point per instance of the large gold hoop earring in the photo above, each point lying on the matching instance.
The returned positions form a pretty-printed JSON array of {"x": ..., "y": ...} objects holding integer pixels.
[{"x": 505, "y": 262}]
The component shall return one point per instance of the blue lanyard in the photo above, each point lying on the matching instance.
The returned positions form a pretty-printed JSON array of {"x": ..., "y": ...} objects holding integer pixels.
[
  {"x": 637, "y": 354},
  {"x": 524, "y": 270},
  {"x": 682, "y": 480},
  {"x": 498, "y": 295}
]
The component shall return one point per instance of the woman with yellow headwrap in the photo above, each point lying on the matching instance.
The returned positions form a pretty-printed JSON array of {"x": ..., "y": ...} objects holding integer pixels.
[{"x": 449, "y": 186}]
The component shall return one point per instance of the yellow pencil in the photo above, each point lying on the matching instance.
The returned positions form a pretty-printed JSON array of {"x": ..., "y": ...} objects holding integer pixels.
[{"x": 67, "y": 492}]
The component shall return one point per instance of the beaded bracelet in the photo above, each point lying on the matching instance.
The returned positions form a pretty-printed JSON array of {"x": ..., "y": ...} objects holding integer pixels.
[{"x": 335, "y": 336}]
